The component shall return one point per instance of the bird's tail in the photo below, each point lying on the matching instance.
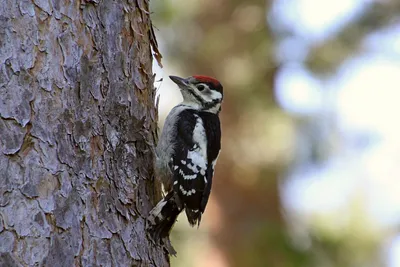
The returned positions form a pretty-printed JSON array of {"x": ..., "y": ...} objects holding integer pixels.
[
  {"x": 163, "y": 217},
  {"x": 193, "y": 216}
]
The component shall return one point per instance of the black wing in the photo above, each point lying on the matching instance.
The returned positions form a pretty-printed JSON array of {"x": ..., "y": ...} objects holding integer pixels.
[
  {"x": 188, "y": 166},
  {"x": 193, "y": 160},
  {"x": 213, "y": 132}
]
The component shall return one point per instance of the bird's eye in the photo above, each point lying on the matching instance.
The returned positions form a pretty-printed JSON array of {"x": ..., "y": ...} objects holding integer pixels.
[{"x": 200, "y": 87}]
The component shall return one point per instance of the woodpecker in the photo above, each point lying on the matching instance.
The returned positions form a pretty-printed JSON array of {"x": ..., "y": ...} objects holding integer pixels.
[{"x": 186, "y": 154}]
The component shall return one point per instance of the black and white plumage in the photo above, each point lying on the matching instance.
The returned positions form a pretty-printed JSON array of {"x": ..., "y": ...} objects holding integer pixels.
[{"x": 187, "y": 153}]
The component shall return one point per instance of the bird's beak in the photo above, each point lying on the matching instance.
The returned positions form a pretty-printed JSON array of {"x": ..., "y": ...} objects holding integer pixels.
[{"x": 179, "y": 81}]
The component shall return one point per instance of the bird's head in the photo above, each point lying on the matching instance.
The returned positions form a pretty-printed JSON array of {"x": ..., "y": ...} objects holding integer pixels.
[{"x": 200, "y": 92}]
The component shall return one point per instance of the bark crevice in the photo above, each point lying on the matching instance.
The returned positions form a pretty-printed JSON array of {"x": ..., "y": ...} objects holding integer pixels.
[{"x": 77, "y": 134}]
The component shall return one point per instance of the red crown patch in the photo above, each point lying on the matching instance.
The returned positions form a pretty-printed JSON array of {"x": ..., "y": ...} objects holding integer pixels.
[{"x": 206, "y": 79}]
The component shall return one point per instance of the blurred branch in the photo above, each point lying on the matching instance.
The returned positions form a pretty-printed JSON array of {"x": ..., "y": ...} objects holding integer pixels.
[{"x": 326, "y": 57}]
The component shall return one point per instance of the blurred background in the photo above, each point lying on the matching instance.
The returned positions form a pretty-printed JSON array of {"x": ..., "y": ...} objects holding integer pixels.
[{"x": 309, "y": 173}]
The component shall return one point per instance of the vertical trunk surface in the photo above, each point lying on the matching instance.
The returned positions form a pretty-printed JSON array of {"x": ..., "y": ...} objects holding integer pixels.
[{"x": 77, "y": 131}]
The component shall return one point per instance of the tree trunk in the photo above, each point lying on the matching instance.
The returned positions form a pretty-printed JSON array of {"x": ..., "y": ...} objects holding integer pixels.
[{"x": 77, "y": 132}]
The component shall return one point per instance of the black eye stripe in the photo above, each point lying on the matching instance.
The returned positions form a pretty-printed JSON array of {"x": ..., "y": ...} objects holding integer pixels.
[
  {"x": 210, "y": 86},
  {"x": 205, "y": 104}
]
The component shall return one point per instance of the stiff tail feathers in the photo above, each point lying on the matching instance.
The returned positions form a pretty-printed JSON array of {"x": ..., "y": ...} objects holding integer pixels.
[
  {"x": 163, "y": 217},
  {"x": 193, "y": 216}
]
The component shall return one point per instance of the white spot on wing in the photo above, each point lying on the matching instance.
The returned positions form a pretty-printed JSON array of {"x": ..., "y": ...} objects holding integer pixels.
[
  {"x": 192, "y": 167},
  {"x": 183, "y": 190},
  {"x": 198, "y": 159},
  {"x": 190, "y": 177},
  {"x": 188, "y": 192}
]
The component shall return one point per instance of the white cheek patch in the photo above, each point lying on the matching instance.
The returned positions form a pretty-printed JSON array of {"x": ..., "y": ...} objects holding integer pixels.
[
  {"x": 216, "y": 95},
  {"x": 207, "y": 94},
  {"x": 213, "y": 96}
]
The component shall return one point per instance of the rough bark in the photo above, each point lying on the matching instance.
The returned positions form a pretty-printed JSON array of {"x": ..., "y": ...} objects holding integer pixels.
[{"x": 77, "y": 131}]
